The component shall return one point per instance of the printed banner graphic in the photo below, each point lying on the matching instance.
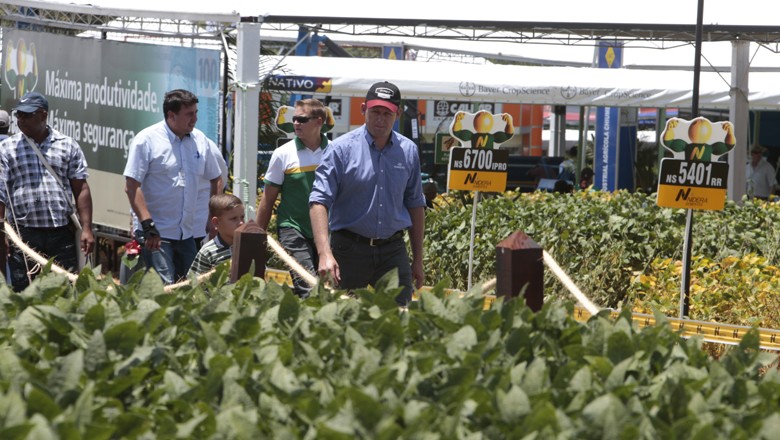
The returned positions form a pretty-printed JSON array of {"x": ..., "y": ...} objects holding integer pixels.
[{"x": 101, "y": 93}]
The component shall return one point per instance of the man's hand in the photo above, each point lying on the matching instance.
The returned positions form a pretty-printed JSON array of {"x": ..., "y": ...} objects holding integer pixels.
[
  {"x": 87, "y": 241},
  {"x": 329, "y": 268},
  {"x": 418, "y": 273},
  {"x": 151, "y": 235}
]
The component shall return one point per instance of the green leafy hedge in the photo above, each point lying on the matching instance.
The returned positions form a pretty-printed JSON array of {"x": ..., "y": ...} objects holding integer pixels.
[
  {"x": 250, "y": 360},
  {"x": 601, "y": 240}
]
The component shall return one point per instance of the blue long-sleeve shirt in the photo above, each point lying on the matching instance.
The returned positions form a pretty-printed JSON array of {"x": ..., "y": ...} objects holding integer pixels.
[{"x": 366, "y": 190}]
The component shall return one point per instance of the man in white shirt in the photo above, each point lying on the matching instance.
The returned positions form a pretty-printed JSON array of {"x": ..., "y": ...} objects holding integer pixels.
[
  {"x": 164, "y": 165},
  {"x": 760, "y": 175}
]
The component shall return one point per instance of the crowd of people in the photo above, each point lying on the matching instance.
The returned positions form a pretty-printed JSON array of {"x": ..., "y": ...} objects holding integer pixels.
[{"x": 345, "y": 205}]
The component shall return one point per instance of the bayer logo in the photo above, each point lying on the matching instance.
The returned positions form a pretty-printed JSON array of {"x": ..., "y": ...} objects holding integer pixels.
[
  {"x": 568, "y": 92},
  {"x": 468, "y": 88}
]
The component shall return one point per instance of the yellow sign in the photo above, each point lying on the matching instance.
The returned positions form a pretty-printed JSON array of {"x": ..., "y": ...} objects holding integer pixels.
[
  {"x": 478, "y": 169},
  {"x": 688, "y": 197},
  {"x": 692, "y": 184},
  {"x": 478, "y": 181}
]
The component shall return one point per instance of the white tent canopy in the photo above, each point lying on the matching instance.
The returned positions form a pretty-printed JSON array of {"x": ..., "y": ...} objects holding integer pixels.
[{"x": 523, "y": 84}]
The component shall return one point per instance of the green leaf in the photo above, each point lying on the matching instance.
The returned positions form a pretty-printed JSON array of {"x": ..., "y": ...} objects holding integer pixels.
[
  {"x": 82, "y": 410},
  {"x": 151, "y": 285},
  {"x": 11, "y": 369},
  {"x": 123, "y": 337},
  {"x": 237, "y": 422},
  {"x": 368, "y": 410},
  {"x": 54, "y": 319},
  {"x": 143, "y": 311},
  {"x": 95, "y": 318},
  {"x": 27, "y": 326},
  {"x": 770, "y": 426},
  {"x": 12, "y": 408},
  {"x": 536, "y": 379},
  {"x": 542, "y": 417},
  {"x": 289, "y": 309},
  {"x": 246, "y": 327},
  {"x": 38, "y": 401},
  {"x": 461, "y": 341},
  {"x": 605, "y": 413},
  {"x": 121, "y": 383},
  {"x": 174, "y": 384},
  {"x": 582, "y": 380},
  {"x": 15, "y": 432},
  {"x": 186, "y": 429},
  {"x": 96, "y": 353},
  {"x": 66, "y": 373},
  {"x": 513, "y": 404},
  {"x": 284, "y": 379},
  {"x": 619, "y": 347},
  {"x": 234, "y": 394},
  {"x": 213, "y": 339},
  {"x": 99, "y": 431}
]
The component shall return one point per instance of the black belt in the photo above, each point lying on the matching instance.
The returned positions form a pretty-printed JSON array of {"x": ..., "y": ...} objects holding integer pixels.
[{"x": 370, "y": 241}]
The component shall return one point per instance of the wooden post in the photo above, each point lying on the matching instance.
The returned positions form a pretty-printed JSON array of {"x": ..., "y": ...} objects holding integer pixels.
[
  {"x": 519, "y": 264},
  {"x": 248, "y": 245}
]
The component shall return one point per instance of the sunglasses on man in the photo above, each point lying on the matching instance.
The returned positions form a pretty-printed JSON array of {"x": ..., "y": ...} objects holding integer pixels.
[{"x": 302, "y": 119}]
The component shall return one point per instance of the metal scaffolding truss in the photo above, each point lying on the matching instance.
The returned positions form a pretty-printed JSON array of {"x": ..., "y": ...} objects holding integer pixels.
[
  {"x": 81, "y": 19},
  {"x": 198, "y": 25},
  {"x": 519, "y": 31}
]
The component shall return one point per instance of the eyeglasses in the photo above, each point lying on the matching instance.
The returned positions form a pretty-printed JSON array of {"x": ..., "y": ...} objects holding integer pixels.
[
  {"x": 302, "y": 119},
  {"x": 24, "y": 115}
]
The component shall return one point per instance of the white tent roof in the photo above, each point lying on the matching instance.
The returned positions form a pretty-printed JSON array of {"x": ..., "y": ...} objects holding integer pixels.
[{"x": 526, "y": 84}]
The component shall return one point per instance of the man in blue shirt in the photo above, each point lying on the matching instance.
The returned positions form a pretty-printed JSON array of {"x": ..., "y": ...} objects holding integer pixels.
[{"x": 369, "y": 187}]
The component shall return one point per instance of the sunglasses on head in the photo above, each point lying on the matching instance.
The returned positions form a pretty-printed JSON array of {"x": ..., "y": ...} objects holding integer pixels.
[{"x": 302, "y": 119}]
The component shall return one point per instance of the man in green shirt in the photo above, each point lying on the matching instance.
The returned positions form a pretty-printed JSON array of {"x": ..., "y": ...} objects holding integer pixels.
[{"x": 291, "y": 174}]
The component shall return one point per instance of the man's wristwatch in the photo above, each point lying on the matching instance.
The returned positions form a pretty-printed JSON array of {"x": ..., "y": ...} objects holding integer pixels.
[{"x": 149, "y": 229}]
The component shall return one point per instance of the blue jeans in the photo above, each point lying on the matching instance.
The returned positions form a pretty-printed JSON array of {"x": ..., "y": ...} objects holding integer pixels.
[
  {"x": 58, "y": 243},
  {"x": 361, "y": 264},
  {"x": 304, "y": 251},
  {"x": 172, "y": 260}
]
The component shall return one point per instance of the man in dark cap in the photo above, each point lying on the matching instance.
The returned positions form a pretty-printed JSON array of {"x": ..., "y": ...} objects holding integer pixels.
[
  {"x": 36, "y": 201},
  {"x": 369, "y": 187}
]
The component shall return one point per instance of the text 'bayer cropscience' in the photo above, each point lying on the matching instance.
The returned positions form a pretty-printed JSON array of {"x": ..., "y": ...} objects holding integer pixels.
[{"x": 117, "y": 93}]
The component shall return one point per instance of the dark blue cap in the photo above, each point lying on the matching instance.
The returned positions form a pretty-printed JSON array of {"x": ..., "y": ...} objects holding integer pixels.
[{"x": 31, "y": 102}]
